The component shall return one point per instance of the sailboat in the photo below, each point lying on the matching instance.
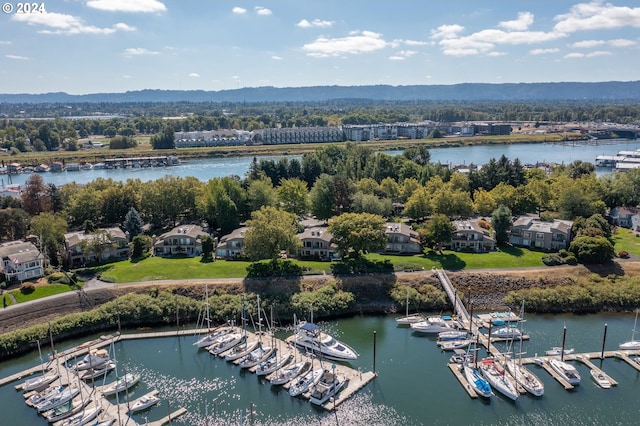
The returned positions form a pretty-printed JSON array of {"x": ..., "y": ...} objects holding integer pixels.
[
  {"x": 245, "y": 346},
  {"x": 498, "y": 379},
  {"x": 523, "y": 376},
  {"x": 472, "y": 375},
  {"x": 409, "y": 319},
  {"x": 211, "y": 337},
  {"x": 41, "y": 381},
  {"x": 260, "y": 353},
  {"x": 632, "y": 344}
]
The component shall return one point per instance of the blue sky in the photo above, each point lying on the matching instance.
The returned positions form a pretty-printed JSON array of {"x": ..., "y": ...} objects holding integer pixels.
[{"x": 89, "y": 46}]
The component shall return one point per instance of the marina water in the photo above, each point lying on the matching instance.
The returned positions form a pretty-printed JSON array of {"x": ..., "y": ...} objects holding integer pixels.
[
  {"x": 414, "y": 386},
  {"x": 205, "y": 169}
]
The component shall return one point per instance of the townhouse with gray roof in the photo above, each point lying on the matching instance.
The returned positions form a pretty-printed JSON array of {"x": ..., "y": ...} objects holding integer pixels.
[
  {"x": 470, "y": 236},
  {"x": 528, "y": 231},
  {"x": 183, "y": 239}
]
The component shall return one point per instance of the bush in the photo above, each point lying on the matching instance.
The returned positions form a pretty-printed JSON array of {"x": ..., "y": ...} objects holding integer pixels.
[
  {"x": 58, "y": 278},
  {"x": 27, "y": 288},
  {"x": 552, "y": 260}
]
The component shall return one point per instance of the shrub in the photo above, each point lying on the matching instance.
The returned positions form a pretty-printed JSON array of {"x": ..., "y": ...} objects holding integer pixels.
[
  {"x": 27, "y": 288},
  {"x": 58, "y": 278},
  {"x": 552, "y": 260}
]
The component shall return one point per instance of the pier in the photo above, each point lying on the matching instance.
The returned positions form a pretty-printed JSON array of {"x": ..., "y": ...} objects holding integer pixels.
[
  {"x": 631, "y": 357},
  {"x": 120, "y": 411}
]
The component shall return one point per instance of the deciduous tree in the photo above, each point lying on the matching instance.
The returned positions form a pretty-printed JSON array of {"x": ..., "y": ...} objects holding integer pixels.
[
  {"x": 359, "y": 232},
  {"x": 269, "y": 232}
]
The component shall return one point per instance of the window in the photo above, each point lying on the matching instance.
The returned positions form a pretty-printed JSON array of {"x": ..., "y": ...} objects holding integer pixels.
[
  {"x": 539, "y": 236},
  {"x": 527, "y": 234}
]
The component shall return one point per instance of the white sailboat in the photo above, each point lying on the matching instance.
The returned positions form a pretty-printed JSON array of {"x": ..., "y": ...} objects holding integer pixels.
[
  {"x": 123, "y": 383},
  {"x": 632, "y": 344},
  {"x": 498, "y": 379},
  {"x": 211, "y": 336},
  {"x": 304, "y": 382},
  {"x": 144, "y": 402},
  {"x": 477, "y": 383},
  {"x": 261, "y": 352},
  {"x": 43, "y": 380},
  {"x": 409, "y": 319},
  {"x": 289, "y": 372}
]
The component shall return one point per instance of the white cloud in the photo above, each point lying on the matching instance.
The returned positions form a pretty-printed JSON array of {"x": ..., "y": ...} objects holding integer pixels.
[
  {"x": 524, "y": 21},
  {"x": 597, "y": 53},
  {"x": 590, "y": 44},
  {"x": 194, "y": 75},
  {"x": 239, "y": 10},
  {"x": 414, "y": 42},
  {"x": 134, "y": 6},
  {"x": 596, "y": 16},
  {"x": 277, "y": 58},
  {"x": 497, "y": 54},
  {"x": 316, "y": 23},
  {"x": 4, "y": 43},
  {"x": 402, "y": 55},
  {"x": 355, "y": 43},
  {"x": 543, "y": 51},
  {"x": 262, "y": 11},
  {"x": 60, "y": 23},
  {"x": 16, "y": 57},
  {"x": 446, "y": 31},
  {"x": 139, "y": 51}
]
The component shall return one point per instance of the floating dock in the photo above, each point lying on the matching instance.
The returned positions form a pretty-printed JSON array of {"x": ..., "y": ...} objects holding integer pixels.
[{"x": 487, "y": 320}]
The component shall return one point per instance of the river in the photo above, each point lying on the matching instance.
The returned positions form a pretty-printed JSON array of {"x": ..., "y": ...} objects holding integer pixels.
[
  {"x": 414, "y": 386},
  {"x": 205, "y": 169}
]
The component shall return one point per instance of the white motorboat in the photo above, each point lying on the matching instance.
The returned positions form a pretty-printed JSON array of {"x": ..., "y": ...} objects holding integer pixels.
[
  {"x": 144, "y": 402},
  {"x": 498, "y": 379},
  {"x": 600, "y": 379},
  {"x": 524, "y": 377},
  {"x": 305, "y": 381},
  {"x": 122, "y": 384},
  {"x": 508, "y": 332},
  {"x": 93, "y": 373},
  {"x": 96, "y": 358},
  {"x": 328, "y": 386},
  {"x": 477, "y": 383},
  {"x": 309, "y": 337},
  {"x": 452, "y": 335},
  {"x": 566, "y": 371},
  {"x": 632, "y": 344},
  {"x": 409, "y": 319},
  {"x": 226, "y": 342},
  {"x": 435, "y": 324},
  {"x": 461, "y": 357},
  {"x": 290, "y": 372},
  {"x": 450, "y": 345},
  {"x": 272, "y": 364},
  {"x": 83, "y": 417},
  {"x": 39, "y": 382},
  {"x": 557, "y": 351},
  {"x": 60, "y": 398}
]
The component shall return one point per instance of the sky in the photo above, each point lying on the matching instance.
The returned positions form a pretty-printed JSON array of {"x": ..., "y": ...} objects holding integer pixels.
[{"x": 93, "y": 46}]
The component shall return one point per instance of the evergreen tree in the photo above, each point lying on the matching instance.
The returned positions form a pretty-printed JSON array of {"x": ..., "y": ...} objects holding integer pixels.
[{"x": 133, "y": 223}]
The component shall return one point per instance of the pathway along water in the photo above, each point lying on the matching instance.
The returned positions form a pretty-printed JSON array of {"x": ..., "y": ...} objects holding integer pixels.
[
  {"x": 205, "y": 169},
  {"x": 414, "y": 385}
]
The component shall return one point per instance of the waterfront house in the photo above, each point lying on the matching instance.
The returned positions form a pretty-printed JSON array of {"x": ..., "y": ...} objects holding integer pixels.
[
  {"x": 230, "y": 245},
  {"x": 528, "y": 231},
  {"x": 316, "y": 243},
  {"x": 12, "y": 190},
  {"x": 622, "y": 216},
  {"x": 106, "y": 243},
  {"x": 470, "y": 236},
  {"x": 21, "y": 260},
  {"x": 401, "y": 239},
  {"x": 183, "y": 239}
]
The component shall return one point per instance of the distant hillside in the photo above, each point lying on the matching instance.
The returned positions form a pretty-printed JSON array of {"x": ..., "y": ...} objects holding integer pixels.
[{"x": 611, "y": 90}]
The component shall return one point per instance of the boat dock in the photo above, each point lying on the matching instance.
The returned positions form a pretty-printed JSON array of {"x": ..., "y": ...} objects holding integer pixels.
[{"x": 487, "y": 321}]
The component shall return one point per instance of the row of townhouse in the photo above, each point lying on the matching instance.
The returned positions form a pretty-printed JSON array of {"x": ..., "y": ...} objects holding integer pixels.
[{"x": 21, "y": 260}]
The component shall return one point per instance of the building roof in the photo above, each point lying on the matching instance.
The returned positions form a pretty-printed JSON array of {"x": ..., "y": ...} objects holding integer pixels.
[
  {"x": 73, "y": 238},
  {"x": 236, "y": 234},
  {"x": 473, "y": 226},
  {"x": 318, "y": 232},
  {"x": 536, "y": 225},
  {"x": 192, "y": 231},
  {"x": 19, "y": 251},
  {"x": 399, "y": 228}
]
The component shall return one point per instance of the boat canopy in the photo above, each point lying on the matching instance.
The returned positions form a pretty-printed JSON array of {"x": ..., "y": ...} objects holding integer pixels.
[{"x": 310, "y": 327}]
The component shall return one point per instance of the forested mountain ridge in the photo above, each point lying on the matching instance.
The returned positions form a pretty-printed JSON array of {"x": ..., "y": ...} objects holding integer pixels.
[{"x": 611, "y": 90}]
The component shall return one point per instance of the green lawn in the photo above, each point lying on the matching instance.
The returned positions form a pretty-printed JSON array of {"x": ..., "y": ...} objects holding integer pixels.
[
  {"x": 158, "y": 268},
  {"x": 505, "y": 257},
  {"x": 40, "y": 292},
  {"x": 626, "y": 240}
]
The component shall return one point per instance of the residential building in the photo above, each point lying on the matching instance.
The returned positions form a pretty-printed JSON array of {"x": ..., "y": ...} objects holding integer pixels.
[
  {"x": 401, "y": 239},
  {"x": 470, "y": 236},
  {"x": 80, "y": 249},
  {"x": 183, "y": 239},
  {"x": 622, "y": 216},
  {"x": 528, "y": 231},
  {"x": 230, "y": 245},
  {"x": 21, "y": 261},
  {"x": 316, "y": 243}
]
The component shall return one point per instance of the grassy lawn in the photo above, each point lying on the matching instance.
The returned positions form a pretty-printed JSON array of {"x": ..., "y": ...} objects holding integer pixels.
[
  {"x": 158, "y": 268},
  {"x": 626, "y": 240},
  {"x": 506, "y": 257},
  {"x": 40, "y": 292}
]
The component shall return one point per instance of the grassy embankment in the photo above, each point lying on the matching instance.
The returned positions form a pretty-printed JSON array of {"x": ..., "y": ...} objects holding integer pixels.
[{"x": 144, "y": 148}]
